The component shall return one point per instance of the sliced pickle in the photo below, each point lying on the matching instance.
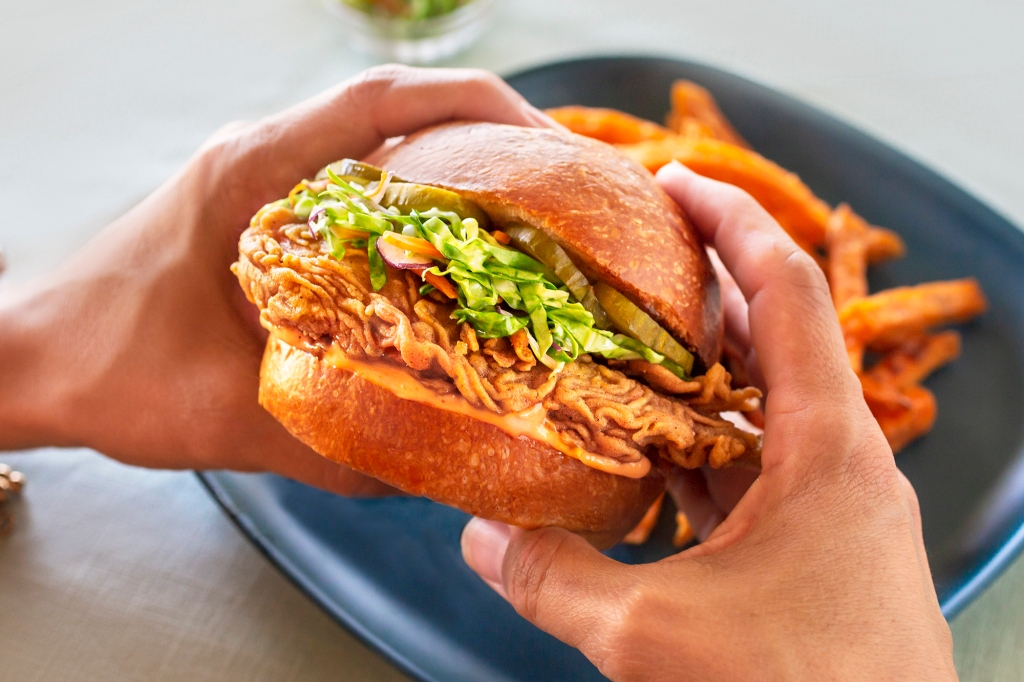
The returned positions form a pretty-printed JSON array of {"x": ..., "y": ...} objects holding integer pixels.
[
  {"x": 542, "y": 247},
  {"x": 634, "y": 322},
  {"x": 408, "y": 196},
  {"x": 349, "y": 170}
]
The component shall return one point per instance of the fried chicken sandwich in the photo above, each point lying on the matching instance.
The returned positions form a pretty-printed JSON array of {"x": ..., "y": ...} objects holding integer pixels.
[{"x": 516, "y": 322}]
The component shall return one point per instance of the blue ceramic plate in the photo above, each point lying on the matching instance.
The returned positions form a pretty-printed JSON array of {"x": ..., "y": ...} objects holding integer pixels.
[{"x": 391, "y": 571}]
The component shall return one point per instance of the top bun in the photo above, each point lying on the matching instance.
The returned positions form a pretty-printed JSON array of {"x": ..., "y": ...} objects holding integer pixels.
[{"x": 603, "y": 208}]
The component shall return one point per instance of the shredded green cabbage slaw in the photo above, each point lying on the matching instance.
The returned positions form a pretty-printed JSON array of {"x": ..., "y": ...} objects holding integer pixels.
[{"x": 500, "y": 290}]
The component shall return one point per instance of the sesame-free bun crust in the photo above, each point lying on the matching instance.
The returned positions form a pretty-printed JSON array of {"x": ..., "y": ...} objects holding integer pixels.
[
  {"x": 447, "y": 457},
  {"x": 605, "y": 209}
]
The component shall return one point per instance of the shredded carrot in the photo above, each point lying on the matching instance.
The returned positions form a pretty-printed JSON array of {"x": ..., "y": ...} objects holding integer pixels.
[
  {"x": 413, "y": 244},
  {"x": 501, "y": 237},
  {"x": 312, "y": 185},
  {"x": 295, "y": 190},
  {"x": 441, "y": 284},
  {"x": 346, "y": 233},
  {"x": 382, "y": 186}
]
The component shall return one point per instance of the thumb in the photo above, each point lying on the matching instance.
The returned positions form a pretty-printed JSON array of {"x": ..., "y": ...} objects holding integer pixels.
[{"x": 553, "y": 578}]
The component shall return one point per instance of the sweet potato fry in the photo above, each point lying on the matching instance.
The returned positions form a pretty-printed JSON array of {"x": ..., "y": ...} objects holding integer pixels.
[
  {"x": 695, "y": 116},
  {"x": 855, "y": 352},
  {"x": 782, "y": 194},
  {"x": 908, "y": 365},
  {"x": 608, "y": 125},
  {"x": 692, "y": 103},
  {"x": 653, "y": 154},
  {"x": 913, "y": 362},
  {"x": 895, "y": 321},
  {"x": 906, "y": 423},
  {"x": 892, "y": 316},
  {"x": 846, "y": 243},
  {"x": 692, "y": 127},
  {"x": 684, "y": 533},
  {"x": 884, "y": 244},
  {"x": 639, "y": 535}
]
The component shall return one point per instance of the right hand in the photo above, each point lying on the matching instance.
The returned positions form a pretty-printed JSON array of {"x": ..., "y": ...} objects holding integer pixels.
[{"x": 819, "y": 571}]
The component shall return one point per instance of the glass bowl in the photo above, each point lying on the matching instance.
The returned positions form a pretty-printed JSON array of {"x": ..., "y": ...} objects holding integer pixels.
[{"x": 414, "y": 41}]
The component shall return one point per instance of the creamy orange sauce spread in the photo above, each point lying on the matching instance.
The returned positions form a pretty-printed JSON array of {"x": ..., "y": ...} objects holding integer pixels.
[{"x": 530, "y": 423}]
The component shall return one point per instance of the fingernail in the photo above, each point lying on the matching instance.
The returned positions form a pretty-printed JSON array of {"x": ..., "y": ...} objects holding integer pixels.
[
  {"x": 672, "y": 167},
  {"x": 541, "y": 119},
  {"x": 483, "y": 547}
]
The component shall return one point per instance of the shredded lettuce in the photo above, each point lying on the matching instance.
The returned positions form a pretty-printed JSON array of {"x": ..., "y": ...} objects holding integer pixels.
[
  {"x": 378, "y": 275},
  {"x": 488, "y": 324},
  {"x": 500, "y": 290}
]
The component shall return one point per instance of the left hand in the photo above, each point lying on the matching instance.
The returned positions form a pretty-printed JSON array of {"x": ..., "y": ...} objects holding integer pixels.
[{"x": 143, "y": 346}]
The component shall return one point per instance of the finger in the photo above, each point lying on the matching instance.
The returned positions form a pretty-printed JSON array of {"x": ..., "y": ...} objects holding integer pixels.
[
  {"x": 689, "y": 491},
  {"x": 728, "y": 486},
  {"x": 306, "y": 466},
  {"x": 239, "y": 434},
  {"x": 374, "y": 158},
  {"x": 227, "y": 131},
  {"x": 356, "y": 117},
  {"x": 254, "y": 441},
  {"x": 552, "y": 577},
  {"x": 914, "y": 509},
  {"x": 737, "y": 324},
  {"x": 737, "y": 321},
  {"x": 793, "y": 325}
]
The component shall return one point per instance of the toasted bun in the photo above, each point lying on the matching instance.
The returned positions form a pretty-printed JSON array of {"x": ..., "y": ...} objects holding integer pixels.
[
  {"x": 448, "y": 457},
  {"x": 605, "y": 209}
]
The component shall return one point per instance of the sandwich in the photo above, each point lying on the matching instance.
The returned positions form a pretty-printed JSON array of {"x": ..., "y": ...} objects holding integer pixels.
[{"x": 516, "y": 322}]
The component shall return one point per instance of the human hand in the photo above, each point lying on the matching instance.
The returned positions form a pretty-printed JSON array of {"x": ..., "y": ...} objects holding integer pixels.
[
  {"x": 818, "y": 572},
  {"x": 143, "y": 346},
  {"x": 706, "y": 495}
]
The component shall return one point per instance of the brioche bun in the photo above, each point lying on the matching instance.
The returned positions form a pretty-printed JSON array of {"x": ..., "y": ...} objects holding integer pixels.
[
  {"x": 450, "y": 458},
  {"x": 618, "y": 226},
  {"x": 600, "y": 206}
]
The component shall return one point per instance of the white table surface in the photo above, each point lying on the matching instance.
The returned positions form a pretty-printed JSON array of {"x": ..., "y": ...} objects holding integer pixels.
[{"x": 116, "y": 573}]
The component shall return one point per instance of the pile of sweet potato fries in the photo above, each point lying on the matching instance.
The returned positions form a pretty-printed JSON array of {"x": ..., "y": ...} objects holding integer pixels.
[{"x": 894, "y": 326}]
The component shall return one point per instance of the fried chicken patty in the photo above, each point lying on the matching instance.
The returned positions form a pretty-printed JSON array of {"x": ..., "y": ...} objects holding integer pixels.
[{"x": 625, "y": 411}]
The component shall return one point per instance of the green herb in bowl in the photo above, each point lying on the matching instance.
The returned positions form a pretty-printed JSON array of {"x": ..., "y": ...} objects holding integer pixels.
[{"x": 407, "y": 9}]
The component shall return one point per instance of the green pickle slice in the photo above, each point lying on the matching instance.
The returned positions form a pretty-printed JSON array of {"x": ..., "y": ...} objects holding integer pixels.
[
  {"x": 349, "y": 170},
  {"x": 408, "y": 196},
  {"x": 545, "y": 249},
  {"x": 630, "y": 320}
]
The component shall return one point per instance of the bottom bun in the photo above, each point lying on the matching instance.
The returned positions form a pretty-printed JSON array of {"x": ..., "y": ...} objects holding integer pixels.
[{"x": 449, "y": 457}]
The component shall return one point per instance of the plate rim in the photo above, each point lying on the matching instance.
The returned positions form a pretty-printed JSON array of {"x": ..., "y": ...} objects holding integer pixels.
[
  {"x": 281, "y": 562},
  {"x": 962, "y": 593}
]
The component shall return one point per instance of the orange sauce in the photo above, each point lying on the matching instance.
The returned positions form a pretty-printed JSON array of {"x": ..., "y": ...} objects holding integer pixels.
[{"x": 530, "y": 423}]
